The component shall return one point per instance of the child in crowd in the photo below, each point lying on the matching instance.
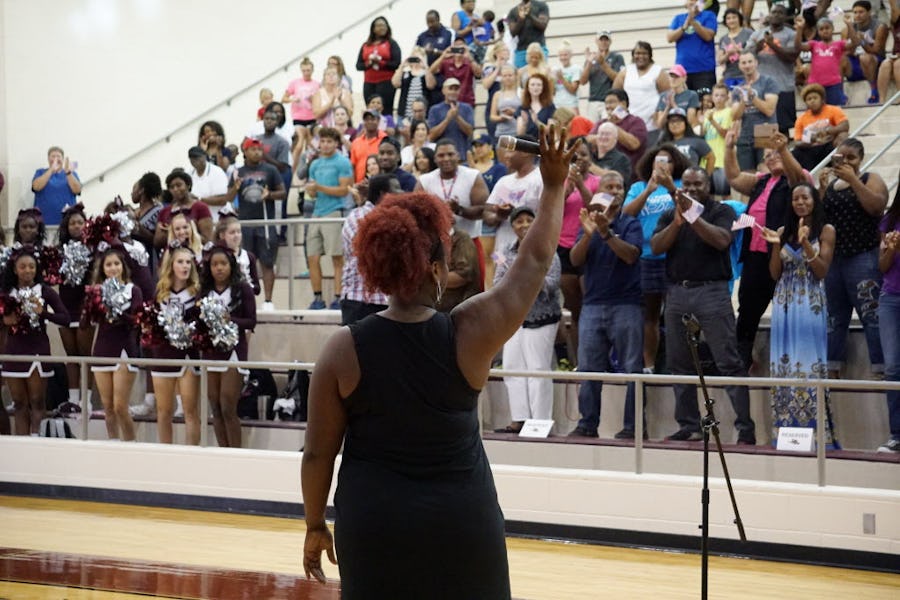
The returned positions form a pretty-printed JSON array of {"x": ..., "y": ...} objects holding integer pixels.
[
  {"x": 221, "y": 281},
  {"x": 825, "y": 62},
  {"x": 566, "y": 77},
  {"x": 484, "y": 35},
  {"x": 25, "y": 299},
  {"x": 74, "y": 273},
  {"x": 228, "y": 232},
  {"x": 715, "y": 125},
  {"x": 117, "y": 337},
  {"x": 265, "y": 97},
  {"x": 176, "y": 294}
]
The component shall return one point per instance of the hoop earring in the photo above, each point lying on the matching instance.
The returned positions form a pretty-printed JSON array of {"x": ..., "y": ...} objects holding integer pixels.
[{"x": 440, "y": 293}]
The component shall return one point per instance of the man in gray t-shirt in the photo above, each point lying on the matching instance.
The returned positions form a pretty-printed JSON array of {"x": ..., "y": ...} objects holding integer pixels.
[
  {"x": 774, "y": 46},
  {"x": 599, "y": 71},
  {"x": 753, "y": 103}
]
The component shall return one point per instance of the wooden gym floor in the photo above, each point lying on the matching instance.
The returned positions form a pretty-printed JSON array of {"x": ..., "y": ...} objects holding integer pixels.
[{"x": 78, "y": 551}]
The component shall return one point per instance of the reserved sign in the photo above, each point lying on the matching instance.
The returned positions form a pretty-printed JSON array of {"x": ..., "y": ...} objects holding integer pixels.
[
  {"x": 796, "y": 439},
  {"x": 536, "y": 428}
]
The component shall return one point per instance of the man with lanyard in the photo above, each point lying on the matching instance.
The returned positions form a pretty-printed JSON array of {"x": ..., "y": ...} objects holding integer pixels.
[
  {"x": 461, "y": 187},
  {"x": 698, "y": 265},
  {"x": 528, "y": 21},
  {"x": 693, "y": 34},
  {"x": 775, "y": 51}
]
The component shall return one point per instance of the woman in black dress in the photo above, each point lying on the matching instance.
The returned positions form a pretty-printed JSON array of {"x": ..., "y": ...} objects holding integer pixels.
[
  {"x": 400, "y": 390},
  {"x": 117, "y": 337},
  {"x": 221, "y": 280},
  {"x": 25, "y": 301}
]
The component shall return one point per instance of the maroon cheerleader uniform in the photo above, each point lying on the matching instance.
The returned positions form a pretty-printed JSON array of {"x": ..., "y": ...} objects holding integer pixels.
[
  {"x": 30, "y": 342},
  {"x": 243, "y": 314},
  {"x": 138, "y": 260},
  {"x": 120, "y": 339},
  {"x": 167, "y": 350}
]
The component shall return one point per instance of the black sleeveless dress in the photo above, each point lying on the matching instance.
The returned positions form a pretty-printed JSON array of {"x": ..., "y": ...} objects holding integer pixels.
[{"x": 417, "y": 511}]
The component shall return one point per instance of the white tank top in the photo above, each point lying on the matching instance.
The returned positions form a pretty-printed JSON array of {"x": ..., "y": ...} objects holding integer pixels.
[
  {"x": 460, "y": 188},
  {"x": 642, "y": 93}
]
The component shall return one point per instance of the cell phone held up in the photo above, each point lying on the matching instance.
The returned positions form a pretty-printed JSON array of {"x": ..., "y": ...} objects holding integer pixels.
[
  {"x": 762, "y": 134},
  {"x": 457, "y": 50}
]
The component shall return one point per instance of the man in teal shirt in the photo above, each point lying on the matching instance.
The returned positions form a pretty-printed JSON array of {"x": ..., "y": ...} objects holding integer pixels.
[{"x": 330, "y": 177}]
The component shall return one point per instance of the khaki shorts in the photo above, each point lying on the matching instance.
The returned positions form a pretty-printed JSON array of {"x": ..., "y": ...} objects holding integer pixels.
[{"x": 324, "y": 239}]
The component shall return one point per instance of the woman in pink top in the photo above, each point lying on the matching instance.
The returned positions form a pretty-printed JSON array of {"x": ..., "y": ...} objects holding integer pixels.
[
  {"x": 300, "y": 93},
  {"x": 825, "y": 67},
  {"x": 581, "y": 185}
]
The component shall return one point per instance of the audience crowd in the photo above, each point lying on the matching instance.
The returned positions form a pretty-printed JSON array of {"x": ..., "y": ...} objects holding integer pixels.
[{"x": 649, "y": 230}]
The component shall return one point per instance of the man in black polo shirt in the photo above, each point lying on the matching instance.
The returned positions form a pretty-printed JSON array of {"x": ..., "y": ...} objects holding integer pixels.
[{"x": 699, "y": 268}]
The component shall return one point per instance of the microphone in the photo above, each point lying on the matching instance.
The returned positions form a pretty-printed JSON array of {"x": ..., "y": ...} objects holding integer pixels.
[
  {"x": 508, "y": 142},
  {"x": 691, "y": 323}
]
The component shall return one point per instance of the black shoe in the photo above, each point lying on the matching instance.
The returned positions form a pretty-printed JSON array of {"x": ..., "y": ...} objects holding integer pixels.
[
  {"x": 683, "y": 435},
  {"x": 628, "y": 434},
  {"x": 515, "y": 427},
  {"x": 746, "y": 441},
  {"x": 583, "y": 432}
]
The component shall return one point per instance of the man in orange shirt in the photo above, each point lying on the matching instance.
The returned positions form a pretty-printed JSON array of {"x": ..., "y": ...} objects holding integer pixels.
[
  {"x": 366, "y": 144},
  {"x": 819, "y": 130}
]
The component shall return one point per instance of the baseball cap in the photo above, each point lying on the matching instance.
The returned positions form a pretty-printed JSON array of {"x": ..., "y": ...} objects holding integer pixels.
[
  {"x": 604, "y": 33},
  {"x": 371, "y": 113},
  {"x": 678, "y": 70},
  {"x": 451, "y": 81},
  {"x": 196, "y": 152},
  {"x": 519, "y": 210},
  {"x": 676, "y": 112},
  {"x": 250, "y": 142},
  {"x": 483, "y": 139}
]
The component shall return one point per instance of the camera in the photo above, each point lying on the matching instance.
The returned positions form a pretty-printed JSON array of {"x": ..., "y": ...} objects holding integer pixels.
[
  {"x": 413, "y": 60},
  {"x": 457, "y": 50}
]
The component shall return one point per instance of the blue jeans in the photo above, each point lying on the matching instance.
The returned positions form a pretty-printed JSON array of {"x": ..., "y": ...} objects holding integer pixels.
[
  {"x": 711, "y": 304},
  {"x": 853, "y": 282},
  {"x": 889, "y": 320},
  {"x": 602, "y": 328}
]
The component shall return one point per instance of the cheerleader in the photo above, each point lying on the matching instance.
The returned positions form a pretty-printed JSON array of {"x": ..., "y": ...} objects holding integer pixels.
[
  {"x": 177, "y": 287},
  {"x": 74, "y": 272},
  {"x": 24, "y": 301},
  {"x": 114, "y": 304},
  {"x": 228, "y": 231},
  {"x": 183, "y": 233},
  {"x": 220, "y": 280},
  {"x": 29, "y": 228}
]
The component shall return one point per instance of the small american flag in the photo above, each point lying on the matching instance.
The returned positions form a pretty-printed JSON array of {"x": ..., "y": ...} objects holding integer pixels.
[{"x": 743, "y": 222}]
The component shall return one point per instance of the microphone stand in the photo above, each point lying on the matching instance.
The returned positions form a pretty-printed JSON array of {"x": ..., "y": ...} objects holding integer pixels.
[{"x": 709, "y": 424}]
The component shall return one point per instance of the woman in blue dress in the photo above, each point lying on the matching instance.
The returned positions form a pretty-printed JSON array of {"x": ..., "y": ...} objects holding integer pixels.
[{"x": 799, "y": 260}]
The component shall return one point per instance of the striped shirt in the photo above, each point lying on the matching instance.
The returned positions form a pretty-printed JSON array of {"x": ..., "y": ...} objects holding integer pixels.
[{"x": 352, "y": 284}]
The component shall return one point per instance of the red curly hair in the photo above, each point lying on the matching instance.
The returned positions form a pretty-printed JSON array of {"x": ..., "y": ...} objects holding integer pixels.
[{"x": 398, "y": 240}]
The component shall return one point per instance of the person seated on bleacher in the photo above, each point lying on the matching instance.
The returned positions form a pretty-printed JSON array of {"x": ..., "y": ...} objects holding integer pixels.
[
  {"x": 604, "y": 154},
  {"x": 631, "y": 131},
  {"x": 863, "y": 64},
  {"x": 693, "y": 33},
  {"x": 819, "y": 130}
]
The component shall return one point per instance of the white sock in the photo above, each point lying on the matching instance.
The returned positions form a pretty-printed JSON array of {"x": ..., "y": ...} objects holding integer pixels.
[
  {"x": 179, "y": 407},
  {"x": 75, "y": 395},
  {"x": 150, "y": 399}
]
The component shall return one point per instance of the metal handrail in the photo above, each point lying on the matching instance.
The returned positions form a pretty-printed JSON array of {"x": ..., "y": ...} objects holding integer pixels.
[
  {"x": 224, "y": 103},
  {"x": 880, "y": 153},
  {"x": 638, "y": 378},
  {"x": 825, "y": 161}
]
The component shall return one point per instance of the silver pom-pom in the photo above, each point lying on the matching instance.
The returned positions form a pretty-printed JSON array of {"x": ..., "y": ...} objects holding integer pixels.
[
  {"x": 126, "y": 223},
  {"x": 75, "y": 263},
  {"x": 223, "y": 333},
  {"x": 138, "y": 253},
  {"x": 116, "y": 297},
  {"x": 30, "y": 300},
  {"x": 171, "y": 319}
]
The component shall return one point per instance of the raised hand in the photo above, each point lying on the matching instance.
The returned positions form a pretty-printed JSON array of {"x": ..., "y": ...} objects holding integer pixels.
[
  {"x": 770, "y": 235},
  {"x": 802, "y": 231},
  {"x": 587, "y": 222},
  {"x": 555, "y": 159}
]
